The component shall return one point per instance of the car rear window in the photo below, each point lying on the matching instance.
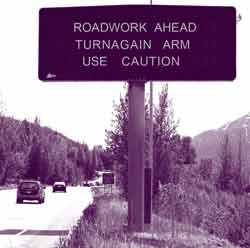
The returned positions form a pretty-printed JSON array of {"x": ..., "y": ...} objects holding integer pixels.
[
  {"x": 59, "y": 184},
  {"x": 29, "y": 185}
]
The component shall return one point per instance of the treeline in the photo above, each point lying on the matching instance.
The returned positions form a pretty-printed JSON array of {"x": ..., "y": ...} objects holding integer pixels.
[{"x": 28, "y": 150}]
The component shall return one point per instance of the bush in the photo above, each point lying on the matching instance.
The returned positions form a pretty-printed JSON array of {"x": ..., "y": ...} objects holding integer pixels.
[
  {"x": 102, "y": 225},
  {"x": 220, "y": 213}
]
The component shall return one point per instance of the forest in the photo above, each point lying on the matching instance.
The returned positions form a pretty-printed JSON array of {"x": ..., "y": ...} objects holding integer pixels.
[{"x": 28, "y": 150}]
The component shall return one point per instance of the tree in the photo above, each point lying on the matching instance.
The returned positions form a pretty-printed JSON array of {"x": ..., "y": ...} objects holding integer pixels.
[
  {"x": 89, "y": 169},
  {"x": 44, "y": 164},
  {"x": 187, "y": 152},
  {"x": 94, "y": 160},
  {"x": 106, "y": 160},
  {"x": 3, "y": 169},
  {"x": 96, "y": 157},
  {"x": 237, "y": 172},
  {"x": 225, "y": 176},
  {"x": 80, "y": 158},
  {"x": 99, "y": 156},
  {"x": 240, "y": 164},
  {"x": 34, "y": 161},
  {"x": 8, "y": 150},
  {"x": 230, "y": 176},
  {"x": 164, "y": 130},
  {"x": 117, "y": 140},
  {"x": 206, "y": 168}
]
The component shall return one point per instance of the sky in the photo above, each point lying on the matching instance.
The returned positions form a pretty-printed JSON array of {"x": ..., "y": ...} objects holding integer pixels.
[{"x": 83, "y": 110}]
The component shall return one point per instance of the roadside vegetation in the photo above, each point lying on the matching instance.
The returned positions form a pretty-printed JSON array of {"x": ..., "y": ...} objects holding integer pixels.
[
  {"x": 197, "y": 203},
  {"x": 205, "y": 196},
  {"x": 204, "y": 193},
  {"x": 104, "y": 225}
]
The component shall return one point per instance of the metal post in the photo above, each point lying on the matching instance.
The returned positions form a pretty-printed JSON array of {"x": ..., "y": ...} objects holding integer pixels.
[
  {"x": 149, "y": 170},
  {"x": 136, "y": 140}
]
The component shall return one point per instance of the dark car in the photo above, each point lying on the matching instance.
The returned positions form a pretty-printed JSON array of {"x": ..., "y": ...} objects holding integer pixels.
[
  {"x": 59, "y": 186},
  {"x": 86, "y": 184},
  {"x": 30, "y": 190}
]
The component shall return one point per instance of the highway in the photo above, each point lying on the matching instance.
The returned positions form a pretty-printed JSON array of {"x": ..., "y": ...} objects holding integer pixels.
[{"x": 32, "y": 225}]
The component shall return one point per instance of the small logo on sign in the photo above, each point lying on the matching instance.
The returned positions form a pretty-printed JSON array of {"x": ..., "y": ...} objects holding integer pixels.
[{"x": 50, "y": 75}]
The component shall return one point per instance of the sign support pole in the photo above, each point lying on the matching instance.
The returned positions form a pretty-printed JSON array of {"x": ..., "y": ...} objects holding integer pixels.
[
  {"x": 136, "y": 140},
  {"x": 148, "y": 184},
  {"x": 151, "y": 145},
  {"x": 149, "y": 168}
]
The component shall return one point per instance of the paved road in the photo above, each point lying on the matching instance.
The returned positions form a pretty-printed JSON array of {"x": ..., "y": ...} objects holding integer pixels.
[{"x": 32, "y": 225}]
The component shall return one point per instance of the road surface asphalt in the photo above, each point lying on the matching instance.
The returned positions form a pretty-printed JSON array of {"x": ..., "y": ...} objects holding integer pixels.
[{"x": 33, "y": 225}]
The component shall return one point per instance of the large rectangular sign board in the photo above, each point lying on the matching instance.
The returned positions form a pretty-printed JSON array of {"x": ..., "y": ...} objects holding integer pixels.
[{"x": 137, "y": 42}]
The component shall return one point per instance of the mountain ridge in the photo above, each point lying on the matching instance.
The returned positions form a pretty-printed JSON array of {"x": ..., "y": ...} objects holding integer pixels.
[{"x": 209, "y": 144}]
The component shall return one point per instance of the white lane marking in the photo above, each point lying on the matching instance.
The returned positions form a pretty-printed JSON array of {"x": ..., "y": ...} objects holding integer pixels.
[{"x": 20, "y": 233}]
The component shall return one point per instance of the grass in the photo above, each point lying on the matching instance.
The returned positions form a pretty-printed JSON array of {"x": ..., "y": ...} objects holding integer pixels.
[{"x": 103, "y": 225}]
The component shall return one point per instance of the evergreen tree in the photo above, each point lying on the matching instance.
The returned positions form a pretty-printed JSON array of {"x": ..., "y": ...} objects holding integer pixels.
[
  {"x": 94, "y": 160},
  {"x": 106, "y": 160},
  {"x": 205, "y": 168},
  {"x": 117, "y": 140},
  {"x": 187, "y": 152},
  {"x": 225, "y": 175},
  {"x": 237, "y": 172},
  {"x": 164, "y": 132},
  {"x": 34, "y": 161},
  {"x": 44, "y": 165},
  {"x": 3, "y": 157},
  {"x": 80, "y": 157},
  {"x": 89, "y": 169},
  {"x": 99, "y": 151}
]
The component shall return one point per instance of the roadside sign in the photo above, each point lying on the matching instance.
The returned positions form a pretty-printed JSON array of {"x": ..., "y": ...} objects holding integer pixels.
[
  {"x": 147, "y": 195},
  {"x": 108, "y": 178},
  {"x": 142, "y": 42}
]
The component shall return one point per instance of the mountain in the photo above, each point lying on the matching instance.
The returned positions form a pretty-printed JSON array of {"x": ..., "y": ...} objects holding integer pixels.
[{"x": 209, "y": 144}]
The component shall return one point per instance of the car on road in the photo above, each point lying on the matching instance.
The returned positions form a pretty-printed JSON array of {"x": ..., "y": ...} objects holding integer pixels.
[
  {"x": 30, "y": 190},
  {"x": 86, "y": 184},
  {"x": 59, "y": 186}
]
